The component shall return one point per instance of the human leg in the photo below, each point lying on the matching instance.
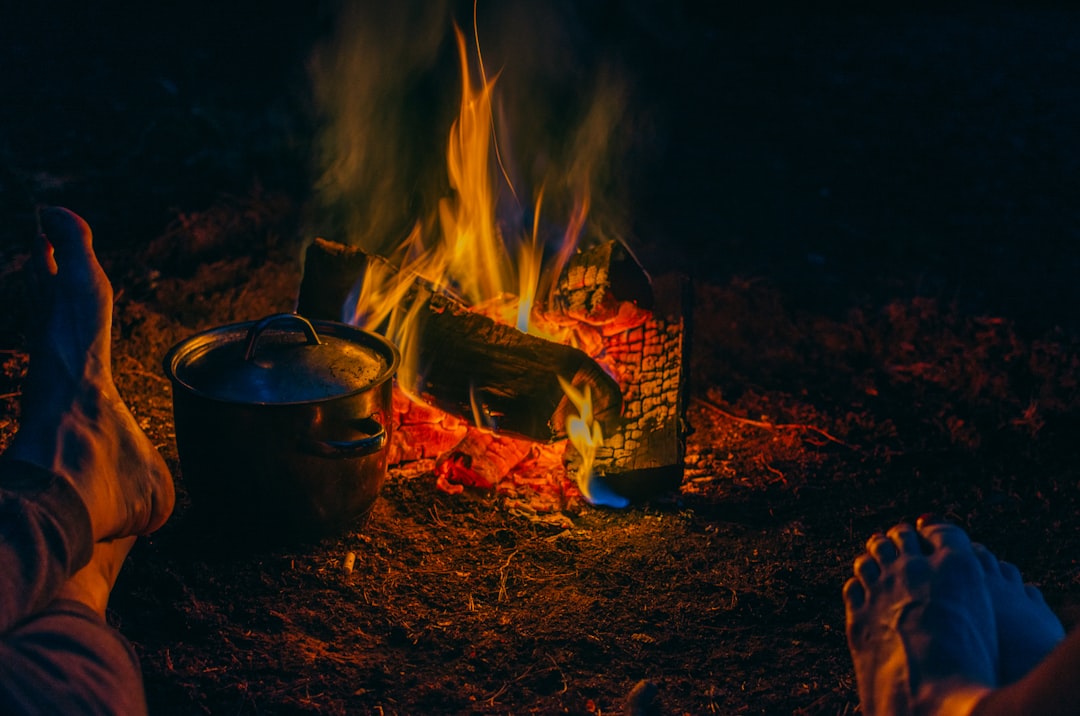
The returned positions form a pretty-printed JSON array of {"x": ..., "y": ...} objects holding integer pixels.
[
  {"x": 45, "y": 538},
  {"x": 79, "y": 480},
  {"x": 79, "y": 470},
  {"x": 65, "y": 659}
]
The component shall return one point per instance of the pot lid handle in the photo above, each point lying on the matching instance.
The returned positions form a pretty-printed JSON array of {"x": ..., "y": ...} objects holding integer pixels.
[{"x": 256, "y": 331}]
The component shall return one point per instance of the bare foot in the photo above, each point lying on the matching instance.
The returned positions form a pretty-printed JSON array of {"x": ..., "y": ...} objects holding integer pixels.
[
  {"x": 93, "y": 584},
  {"x": 1027, "y": 629},
  {"x": 74, "y": 422},
  {"x": 920, "y": 623}
]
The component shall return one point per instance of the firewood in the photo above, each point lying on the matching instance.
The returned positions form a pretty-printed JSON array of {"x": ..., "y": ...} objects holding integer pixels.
[
  {"x": 603, "y": 284},
  {"x": 470, "y": 365},
  {"x": 331, "y": 270},
  {"x": 648, "y": 351}
]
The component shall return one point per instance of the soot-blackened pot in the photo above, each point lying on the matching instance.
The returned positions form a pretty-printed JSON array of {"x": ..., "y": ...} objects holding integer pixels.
[{"x": 282, "y": 425}]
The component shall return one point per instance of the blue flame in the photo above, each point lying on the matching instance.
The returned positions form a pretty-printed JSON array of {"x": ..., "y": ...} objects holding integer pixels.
[{"x": 599, "y": 493}]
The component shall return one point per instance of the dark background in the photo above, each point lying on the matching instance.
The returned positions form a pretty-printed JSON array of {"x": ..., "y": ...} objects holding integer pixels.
[{"x": 845, "y": 148}]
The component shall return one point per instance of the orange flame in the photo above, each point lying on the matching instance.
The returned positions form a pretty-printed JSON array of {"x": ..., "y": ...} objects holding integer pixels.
[
  {"x": 478, "y": 260},
  {"x": 469, "y": 256},
  {"x": 585, "y": 435}
]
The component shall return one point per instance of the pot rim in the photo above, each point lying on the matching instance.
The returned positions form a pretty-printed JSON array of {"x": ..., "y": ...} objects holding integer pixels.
[{"x": 175, "y": 357}]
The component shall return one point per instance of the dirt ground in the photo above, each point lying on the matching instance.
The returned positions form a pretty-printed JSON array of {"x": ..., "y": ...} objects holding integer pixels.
[{"x": 878, "y": 214}]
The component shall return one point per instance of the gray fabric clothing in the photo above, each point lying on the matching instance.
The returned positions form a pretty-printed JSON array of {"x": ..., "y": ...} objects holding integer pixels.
[{"x": 56, "y": 656}]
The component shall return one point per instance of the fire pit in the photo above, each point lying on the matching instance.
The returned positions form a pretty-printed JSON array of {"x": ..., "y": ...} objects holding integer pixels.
[{"x": 544, "y": 363}]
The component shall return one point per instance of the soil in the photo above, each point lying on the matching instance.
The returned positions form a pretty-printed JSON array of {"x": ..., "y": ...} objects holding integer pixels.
[{"x": 877, "y": 210}]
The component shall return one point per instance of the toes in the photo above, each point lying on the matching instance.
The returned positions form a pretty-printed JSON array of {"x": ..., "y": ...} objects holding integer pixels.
[
  {"x": 941, "y": 535},
  {"x": 71, "y": 240},
  {"x": 1034, "y": 594},
  {"x": 854, "y": 594},
  {"x": 882, "y": 549},
  {"x": 986, "y": 558},
  {"x": 905, "y": 538},
  {"x": 1011, "y": 572},
  {"x": 927, "y": 519},
  {"x": 65, "y": 228},
  {"x": 43, "y": 257},
  {"x": 867, "y": 570}
]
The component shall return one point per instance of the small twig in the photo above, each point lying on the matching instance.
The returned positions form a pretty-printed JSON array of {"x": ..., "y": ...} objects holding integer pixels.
[
  {"x": 16, "y": 394},
  {"x": 502, "y": 689},
  {"x": 779, "y": 474},
  {"x": 565, "y": 686},
  {"x": 771, "y": 426},
  {"x": 502, "y": 577}
]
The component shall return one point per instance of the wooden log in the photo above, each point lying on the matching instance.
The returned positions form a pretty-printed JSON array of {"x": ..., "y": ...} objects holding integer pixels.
[
  {"x": 331, "y": 271},
  {"x": 468, "y": 364},
  {"x": 507, "y": 380},
  {"x": 601, "y": 285},
  {"x": 648, "y": 351}
]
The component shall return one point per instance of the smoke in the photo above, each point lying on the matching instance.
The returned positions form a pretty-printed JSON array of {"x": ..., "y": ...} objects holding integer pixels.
[
  {"x": 372, "y": 86},
  {"x": 387, "y": 89}
]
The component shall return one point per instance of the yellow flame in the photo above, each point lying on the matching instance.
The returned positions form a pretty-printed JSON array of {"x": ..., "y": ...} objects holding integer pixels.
[
  {"x": 478, "y": 260},
  {"x": 585, "y": 435},
  {"x": 386, "y": 283},
  {"x": 464, "y": 251}
]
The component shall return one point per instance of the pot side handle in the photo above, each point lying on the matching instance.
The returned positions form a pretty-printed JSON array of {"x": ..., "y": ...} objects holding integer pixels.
[{"x": 371, "y": 443}]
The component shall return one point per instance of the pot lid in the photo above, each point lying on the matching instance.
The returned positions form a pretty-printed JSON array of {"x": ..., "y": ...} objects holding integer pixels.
[{"x": 282, "y": 359}]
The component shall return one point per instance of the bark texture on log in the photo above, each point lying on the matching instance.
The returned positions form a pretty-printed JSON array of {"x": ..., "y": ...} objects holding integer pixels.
[
  {"x": 601, "y": 282},
  {"x": 331, "y": 270},
  {"x": 473, "y": 367},
  {"x": 506, "y": 380},
  {"x": 468, "y": 364},
  {"x": 649, "y": 353}
]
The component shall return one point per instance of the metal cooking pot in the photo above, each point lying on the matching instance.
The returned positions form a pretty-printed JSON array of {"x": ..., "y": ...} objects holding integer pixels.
[{"x": 282, "y": 424}]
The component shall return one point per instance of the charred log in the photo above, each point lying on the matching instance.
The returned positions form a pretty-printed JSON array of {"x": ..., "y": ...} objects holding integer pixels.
[
  {"x": 599, "y": 283},
  {"x": 504, "y": 379},
  {"x": 331, "y": 270},
  {"x": 649, "y": 353},
  {"x": 470, "y": 365}
]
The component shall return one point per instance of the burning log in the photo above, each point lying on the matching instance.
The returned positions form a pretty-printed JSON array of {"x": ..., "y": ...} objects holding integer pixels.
[
  {"x": 645, "y": 340},
  {"x": 331, "y": 270},
  {"x": 484, "y": 372},
  {"x": 470, "y": 365},
  {"x": 604, "y": 285}
]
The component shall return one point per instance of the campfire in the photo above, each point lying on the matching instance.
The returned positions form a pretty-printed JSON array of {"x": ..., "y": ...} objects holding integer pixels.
[{"x": 544, "y": 364}]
